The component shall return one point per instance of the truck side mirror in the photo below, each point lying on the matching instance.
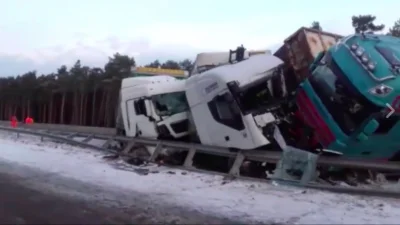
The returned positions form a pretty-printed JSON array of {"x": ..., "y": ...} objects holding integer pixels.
[
  {"x": 368, "y": 129},
  {"x": 371, "y": 127},
  {"x": 362, "y": 137}
]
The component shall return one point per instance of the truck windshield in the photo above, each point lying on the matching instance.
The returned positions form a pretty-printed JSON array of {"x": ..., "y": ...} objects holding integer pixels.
[
  {"x": 348, "y": 107},
  {"x": 258, "y": 96},
  {"x": 255, "y": 99},
  {"x": 170, "y": 103}
]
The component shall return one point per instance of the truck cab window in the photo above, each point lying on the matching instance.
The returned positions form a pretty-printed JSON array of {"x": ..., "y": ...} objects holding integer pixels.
[
  {"x": 170, "y": 103},
  {"x": 226, "y": 111},
  {"x": 347, "y": 106},
  {"x": 389, "y": 55},
  {"x": 257, "y": 97},
  {"x": 140, "y": 108}
]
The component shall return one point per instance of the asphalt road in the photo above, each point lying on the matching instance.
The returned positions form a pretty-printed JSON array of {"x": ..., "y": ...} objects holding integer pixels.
[{"x": 30, "y": 196}]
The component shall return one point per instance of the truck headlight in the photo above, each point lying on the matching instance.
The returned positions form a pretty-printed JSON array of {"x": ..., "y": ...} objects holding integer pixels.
[
  {"x": 381, "y": 90},
  {"x": 364, "y": 58},
  {"x": 359, "y": 52},
  {"x": 371, "y": 66}
]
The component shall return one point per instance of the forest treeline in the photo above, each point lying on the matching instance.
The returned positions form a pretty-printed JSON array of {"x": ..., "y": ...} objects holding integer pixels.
[
  {"x": 80, "y": 95},
  {"x": 88, "y": 96}
]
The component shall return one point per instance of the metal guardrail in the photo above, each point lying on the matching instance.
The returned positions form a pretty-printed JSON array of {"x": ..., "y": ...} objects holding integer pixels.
[
  {"x": 55, "y": 137},
  {"x": 63, "y": 127},
  {"x": 263, "y": 156},
  {"x": 255, "y": 155},
  {"x": 188, "y": 163}
]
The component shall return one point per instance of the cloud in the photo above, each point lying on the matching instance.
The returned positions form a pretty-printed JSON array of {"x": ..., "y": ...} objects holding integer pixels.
[
  {"x": 96, "y": 53},
  {"x": 45, "y": 52},
  {"x": 14, "y": 65},
  {"x": 43, "y": 36},
  {"x": 163, "y": 40},
  {"x": 162, "y": 46},
  {"x": 11, "y": 65},
  {"x": 48, "y": 59}
]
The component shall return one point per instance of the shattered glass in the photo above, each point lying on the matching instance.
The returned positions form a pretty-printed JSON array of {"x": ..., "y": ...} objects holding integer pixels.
[{"x": 295, "y": 163}]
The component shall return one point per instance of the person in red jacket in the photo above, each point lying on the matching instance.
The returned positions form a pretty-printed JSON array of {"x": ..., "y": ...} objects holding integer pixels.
[
  {"x": 28, "y": 120},
  {"x": 14, "y": 121}
]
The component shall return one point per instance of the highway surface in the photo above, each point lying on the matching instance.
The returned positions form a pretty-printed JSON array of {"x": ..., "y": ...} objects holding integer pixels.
[{"x": 31, "y": 196}]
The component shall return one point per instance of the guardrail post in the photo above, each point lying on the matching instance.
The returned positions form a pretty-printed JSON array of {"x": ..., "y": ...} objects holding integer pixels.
[
  {"x": 128, "y": 147},
  {"x": 88, "y": 138},
  {"x": 189, "y": 158},
  {"x": 156, "y": 152},
  {"x": 72, "y": 135},
  {"x": 235, "y": 169},
  {"x": 107, "y": 143}
]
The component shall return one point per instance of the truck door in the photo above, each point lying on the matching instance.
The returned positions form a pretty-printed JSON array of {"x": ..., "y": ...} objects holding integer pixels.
[
  {"x": 138, "y": 117},
  {"x": 382, "y": 143},
  {"x": 131, "y": 118},
  {"x": 229, "y": 128},
  {"x": 385, "y": 140}
]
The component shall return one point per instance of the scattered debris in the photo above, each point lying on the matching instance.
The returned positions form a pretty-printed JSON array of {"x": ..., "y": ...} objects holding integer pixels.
[
  {"x": 141, "y": 171},
  {"x": 135, "y": 161},
  {"x": 111, "y": 157}
]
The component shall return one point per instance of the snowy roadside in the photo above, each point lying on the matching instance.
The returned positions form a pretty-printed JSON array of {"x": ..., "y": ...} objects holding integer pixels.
[{"x": 239, "y": 200}]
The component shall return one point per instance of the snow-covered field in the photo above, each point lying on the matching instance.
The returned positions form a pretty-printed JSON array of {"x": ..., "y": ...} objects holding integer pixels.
[{"x": 240, "y": 200}]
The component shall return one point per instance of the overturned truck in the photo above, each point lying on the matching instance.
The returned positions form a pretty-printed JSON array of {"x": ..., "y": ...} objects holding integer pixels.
[
  {"x": 326, "y": 93},
  {"x": 341, "y": 102}
]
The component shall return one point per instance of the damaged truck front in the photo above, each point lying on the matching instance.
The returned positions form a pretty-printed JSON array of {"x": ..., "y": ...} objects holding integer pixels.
[{"x": 343, "y": 86}]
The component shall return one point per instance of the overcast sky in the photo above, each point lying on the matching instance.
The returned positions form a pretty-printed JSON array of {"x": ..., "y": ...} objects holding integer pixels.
[{"x": 43, "y": 34}]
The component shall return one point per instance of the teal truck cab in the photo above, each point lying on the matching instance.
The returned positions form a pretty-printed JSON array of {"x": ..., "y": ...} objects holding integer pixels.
[
  {"x": 342, "y": 91},
  {"x": 345, "y": 100}
]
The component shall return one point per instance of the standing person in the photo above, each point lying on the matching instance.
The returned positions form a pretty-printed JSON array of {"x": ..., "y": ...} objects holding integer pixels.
[
  {"x": 14, "y": 121},
  {"x": 28, "y": 120}
]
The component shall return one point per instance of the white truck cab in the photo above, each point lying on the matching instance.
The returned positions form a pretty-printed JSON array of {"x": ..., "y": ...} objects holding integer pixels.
[
  {"x": 153, "y": 107},
  {"x": 208, "y": 60},
  {"x": 228, "y": 102}
]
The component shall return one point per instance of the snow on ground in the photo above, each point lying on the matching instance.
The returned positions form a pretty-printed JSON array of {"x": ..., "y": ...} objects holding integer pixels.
[{"x": 240, "y": 200}]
